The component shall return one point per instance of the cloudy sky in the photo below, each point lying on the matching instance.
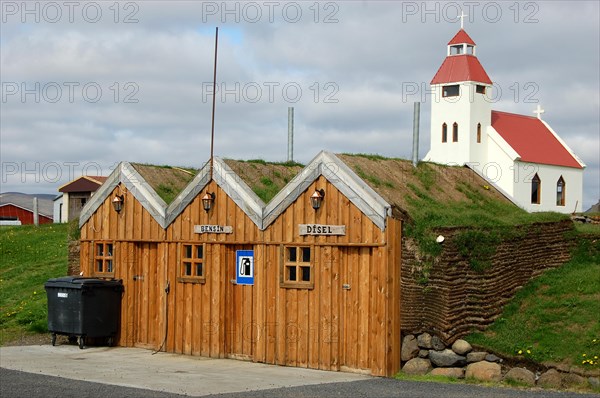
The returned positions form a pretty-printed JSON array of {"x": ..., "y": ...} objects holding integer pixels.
[{"x": 88, "y": 84}]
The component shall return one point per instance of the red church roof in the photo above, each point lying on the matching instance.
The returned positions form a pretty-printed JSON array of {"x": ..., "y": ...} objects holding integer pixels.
[
  {"x": 532, "y": 140},
  {"x": 460, "y": 38},
  {"x": 461, "y": 68}
]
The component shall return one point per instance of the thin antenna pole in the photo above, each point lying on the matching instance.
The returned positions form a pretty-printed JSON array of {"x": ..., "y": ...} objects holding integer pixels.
[
  {"x": 416, "y": 122},
  {"x": 212, "y": 128},
  {"x": 290, "y": 156}
]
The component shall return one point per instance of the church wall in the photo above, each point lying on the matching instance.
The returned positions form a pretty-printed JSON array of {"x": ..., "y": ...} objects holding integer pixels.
[
  {"x": 549, "y": 175},
  {"x": 497, "y": 165},
  {"x": 449, "y": 110},
  {"x": 480, "y": 113},
  {"x": 467, "y": 109}
]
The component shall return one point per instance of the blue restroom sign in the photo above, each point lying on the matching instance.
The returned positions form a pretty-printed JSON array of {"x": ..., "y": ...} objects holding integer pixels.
[{"x": 244, "y": 269}]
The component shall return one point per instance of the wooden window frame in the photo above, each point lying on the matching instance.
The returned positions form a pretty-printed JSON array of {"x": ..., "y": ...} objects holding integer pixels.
[
  {"x": 455, "y": 132},
  {"x": 298, "y": 265},
  {"x": 444, "y": 132},
  {"x": 184, "y": 261},
  {"x": 536, "y": 181},
  {"x": 479, "y": 133},
  {"x": 561, "y": 191},
  {"x": 105, "y": 257}
]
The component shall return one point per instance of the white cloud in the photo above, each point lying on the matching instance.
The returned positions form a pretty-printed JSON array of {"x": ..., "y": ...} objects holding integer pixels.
[{"x": 154, "y": 73}]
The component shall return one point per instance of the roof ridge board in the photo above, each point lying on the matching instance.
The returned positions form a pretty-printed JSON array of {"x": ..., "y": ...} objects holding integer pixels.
[
  {"x": 349, "y": 183},
  {"x": 290, "y": 192},
  {"x": 102, "y": 193},
  {"x": 239, "y": 191},
  {"x": 187, "y": 195},
  {"x": 126, "y": 174},
  {"x": 369, "y": 201},
  {"x": 144, "y": 193}
]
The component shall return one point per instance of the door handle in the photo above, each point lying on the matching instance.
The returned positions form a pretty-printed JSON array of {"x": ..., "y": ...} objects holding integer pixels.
[{"x": 138, "y": 277}]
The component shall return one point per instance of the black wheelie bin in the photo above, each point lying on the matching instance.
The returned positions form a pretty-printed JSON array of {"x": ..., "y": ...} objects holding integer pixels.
[{"x": 81, "y": 307}]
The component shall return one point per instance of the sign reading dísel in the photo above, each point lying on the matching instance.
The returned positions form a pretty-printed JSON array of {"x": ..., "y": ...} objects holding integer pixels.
[
  {"x": 244, "y": 267},
  {"x": 213, "y": 229},
  {"x": 320, "y": 229}
]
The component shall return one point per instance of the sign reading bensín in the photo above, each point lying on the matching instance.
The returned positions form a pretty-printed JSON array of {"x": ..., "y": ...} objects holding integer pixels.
[
  {"x": 321, "y": 229},
  {"x": 213, "y": 229}
]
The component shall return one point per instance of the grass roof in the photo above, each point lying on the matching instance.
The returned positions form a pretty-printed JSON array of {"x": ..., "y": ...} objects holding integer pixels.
[
  {"x": 167, "y": 181},
  {"x": 431, "y": 195},
  {"x": 266, "y": 179}
]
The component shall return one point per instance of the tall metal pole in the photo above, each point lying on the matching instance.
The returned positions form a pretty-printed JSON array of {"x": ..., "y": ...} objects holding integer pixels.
[
  {"x": 36, "y": 218},
  {"x": 415, "y": 149},
  {"x": 212, "y": 128},
  {"x": 290, "y": 157}
]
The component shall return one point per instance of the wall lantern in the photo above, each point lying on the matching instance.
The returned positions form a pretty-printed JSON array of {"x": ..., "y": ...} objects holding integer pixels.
[
  {"x": 317, "y": 198},
  {"x": 208, "y": 200},
  {"x": 118, "y": 203}
]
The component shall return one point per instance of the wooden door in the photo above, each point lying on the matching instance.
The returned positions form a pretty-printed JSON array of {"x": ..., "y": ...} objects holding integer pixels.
[
  {"x": 356, "y": 310},
  {"x": 145, "y": 283},
  {"x": 240, "y": 329}
]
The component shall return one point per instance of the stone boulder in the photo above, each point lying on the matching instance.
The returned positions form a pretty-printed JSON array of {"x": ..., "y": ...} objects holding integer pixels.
[
  {"x": 446, "y": 358},
  {"x": 550, "y": 379},
  {"x": 423, "y": 353},
  {"x": 424, "y": 340},
  {"x": 461, "y": 347},
  {"x": 410, "y": 349},
  {"x": 493, "y": 358},
  {"x": 521, "y": 375},
  {"x": 572, "y": 380},
  {"x": 437, "y": 343},
  {"x": 476, "y": 356},
  {"x": 456, "y": 373},
  {"x": 417, "y": 366},
  {"x": 484, "y": 371}
]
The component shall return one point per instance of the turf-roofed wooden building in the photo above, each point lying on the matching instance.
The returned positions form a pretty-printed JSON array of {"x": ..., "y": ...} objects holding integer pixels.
[{"x": 311, "y": 279}]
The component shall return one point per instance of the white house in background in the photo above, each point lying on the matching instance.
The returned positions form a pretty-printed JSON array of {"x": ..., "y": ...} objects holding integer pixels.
[
  {"x": 520, "y": 155},
  {"x": 75, "y": 195}
]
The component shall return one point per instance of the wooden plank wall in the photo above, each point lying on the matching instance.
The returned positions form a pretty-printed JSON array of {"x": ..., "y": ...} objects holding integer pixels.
[{"x": 327, "y": 327}]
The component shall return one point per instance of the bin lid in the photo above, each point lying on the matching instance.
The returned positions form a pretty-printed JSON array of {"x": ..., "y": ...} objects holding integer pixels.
[{"x": 78, "y": 282}]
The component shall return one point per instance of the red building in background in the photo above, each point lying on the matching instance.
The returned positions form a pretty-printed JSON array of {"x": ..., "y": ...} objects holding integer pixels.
[{"x": 18, "y": 209}]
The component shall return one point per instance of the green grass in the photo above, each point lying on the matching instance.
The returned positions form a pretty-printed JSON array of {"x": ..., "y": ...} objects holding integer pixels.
[
  {"x": 588, "y": 229},
  {"x": 167, "y": 193},
  {"x": 554, "y": 317},
  {"x": 264, "y": 163},
  {"x": 266, "y": 190},
  {"x": 29, "y": 256},
  {"x": 376, "y": 181},
  {"x": 490, "y": 220}
]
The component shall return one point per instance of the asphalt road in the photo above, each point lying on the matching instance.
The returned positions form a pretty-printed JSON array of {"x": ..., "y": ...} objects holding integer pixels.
[{"x": 16, "y": 384}]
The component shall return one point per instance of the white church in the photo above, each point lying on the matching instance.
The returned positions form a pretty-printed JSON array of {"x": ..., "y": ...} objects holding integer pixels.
[{"x": 520, "y": 155}]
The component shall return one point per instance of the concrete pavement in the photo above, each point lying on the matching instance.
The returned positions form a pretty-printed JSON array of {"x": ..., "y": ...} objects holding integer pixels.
[{"x": 179, "y": 374}]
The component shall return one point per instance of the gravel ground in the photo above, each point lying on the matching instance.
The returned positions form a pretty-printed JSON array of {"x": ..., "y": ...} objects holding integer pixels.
[{"x": 15, "y": 384}]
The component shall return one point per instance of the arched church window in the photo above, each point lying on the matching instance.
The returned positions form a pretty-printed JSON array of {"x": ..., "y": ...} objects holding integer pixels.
[
  {"x": 455, "y": 132},
  {"x": 560, "y": 192},
  {"x": 479, "y": 133},
  {"x": 536, "y": 189},
  {"x": 444, "y": 132}
]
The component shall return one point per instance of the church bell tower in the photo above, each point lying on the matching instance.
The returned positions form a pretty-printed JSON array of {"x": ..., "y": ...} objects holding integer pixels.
[{"x": 460, "y": 106}]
